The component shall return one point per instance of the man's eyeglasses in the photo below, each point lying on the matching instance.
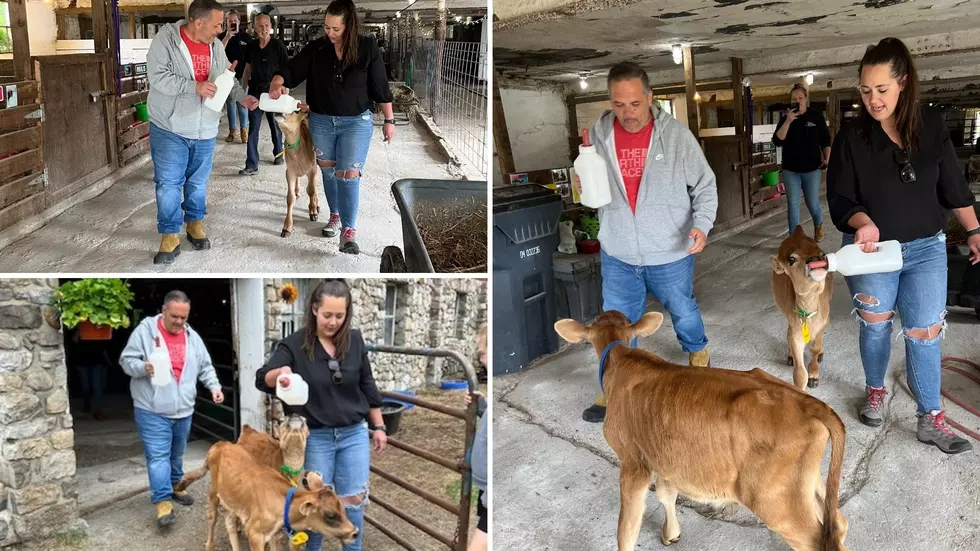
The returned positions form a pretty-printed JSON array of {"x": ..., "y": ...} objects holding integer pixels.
[
  {"x": 907, "y": 173},
  {"x": 338, "y": 377}
]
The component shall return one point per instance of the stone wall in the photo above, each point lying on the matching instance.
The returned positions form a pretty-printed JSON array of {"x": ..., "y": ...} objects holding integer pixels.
[{"x": 38, "y": 493}]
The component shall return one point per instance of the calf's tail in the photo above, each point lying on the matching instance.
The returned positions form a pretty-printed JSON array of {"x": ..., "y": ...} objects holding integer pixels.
[{"x": 834, "y": 525}]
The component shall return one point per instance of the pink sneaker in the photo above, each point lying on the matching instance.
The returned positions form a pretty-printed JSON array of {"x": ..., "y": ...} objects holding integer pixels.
[
  {"x": 347, "y": 244},
  {"x": 333, "y": 226}
]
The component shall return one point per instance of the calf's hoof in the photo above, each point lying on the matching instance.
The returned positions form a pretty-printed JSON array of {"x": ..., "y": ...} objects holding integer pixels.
[
  {"x": 789, "y": 360},
  {"x": 285, "y": 233},
  {"x": 813, "y": 382},
  {"x": 820, "y": 357},
  {"x": 666, "y": 541},
  {"x": 313, "y": 216}
]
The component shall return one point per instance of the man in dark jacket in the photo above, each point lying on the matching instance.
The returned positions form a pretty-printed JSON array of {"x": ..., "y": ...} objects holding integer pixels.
[
  {"x": 236, "y": 39},
  {"x": 263, "y": 59}
]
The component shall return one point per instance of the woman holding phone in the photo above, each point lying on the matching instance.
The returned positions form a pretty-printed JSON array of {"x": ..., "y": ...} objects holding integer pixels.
[
  {"x": 805, "y": 140},
  {"x": 893, "y": 172},
  {"x": 344, "y": 407}
]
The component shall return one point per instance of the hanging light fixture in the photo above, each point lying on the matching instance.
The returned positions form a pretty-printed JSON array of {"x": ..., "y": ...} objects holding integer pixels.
[
  {"x": 583, "y": 83},
  {"x": 678, "y": 53},
  {"x": 809, "y": 79},
  {"x": 697, "y": 96}
]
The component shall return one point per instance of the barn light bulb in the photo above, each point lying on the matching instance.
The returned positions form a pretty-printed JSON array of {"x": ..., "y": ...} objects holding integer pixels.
[
  {"x": 809, "y": 79},
  {"x": 583, "y": 83},
  {"x": 697, "y": 96},
  {"x": 398, "y": 15},
  {"x": 678, "y": 53},
  {"x": 854, "y": 105}
]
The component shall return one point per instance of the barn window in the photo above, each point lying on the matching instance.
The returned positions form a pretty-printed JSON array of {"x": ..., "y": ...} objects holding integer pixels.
[{"x": 460, "y": 315}]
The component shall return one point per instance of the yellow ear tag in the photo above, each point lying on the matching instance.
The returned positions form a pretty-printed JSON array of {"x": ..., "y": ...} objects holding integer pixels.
[
  {"x": 299, "y": 539},
  {"x": 806, "y": 333}
]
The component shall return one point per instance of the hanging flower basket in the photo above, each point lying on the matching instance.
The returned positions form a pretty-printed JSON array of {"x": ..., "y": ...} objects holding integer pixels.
[{"x": 88, "y": 331}]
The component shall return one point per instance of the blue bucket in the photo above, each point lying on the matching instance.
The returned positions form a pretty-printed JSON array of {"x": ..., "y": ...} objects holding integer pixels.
[{"x": 454, "y": 384}]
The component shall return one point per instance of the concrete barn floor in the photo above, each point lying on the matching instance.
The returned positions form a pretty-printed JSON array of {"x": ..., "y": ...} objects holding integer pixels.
[
  {"x": 556, "y": 480},
  {"x": 116, "y": 231}
]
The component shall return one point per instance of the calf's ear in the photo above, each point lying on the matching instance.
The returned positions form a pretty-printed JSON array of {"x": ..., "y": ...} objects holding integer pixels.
[
  {"x": 570, "y": 330},
  {"x": 313, "y": 480},
  {"x": 648, "y": 324},
  {"x": 777, "y": 266}
]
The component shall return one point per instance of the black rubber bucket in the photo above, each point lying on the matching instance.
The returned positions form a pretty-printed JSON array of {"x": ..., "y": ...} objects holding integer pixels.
[{"x": 391, "y": 413}]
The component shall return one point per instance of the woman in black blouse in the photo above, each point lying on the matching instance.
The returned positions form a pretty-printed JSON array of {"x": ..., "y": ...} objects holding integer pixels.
[
  {"x": 346, "y": 76},
  {"x": 332, "y": 358},
  {"x": 892, "y": 174}
]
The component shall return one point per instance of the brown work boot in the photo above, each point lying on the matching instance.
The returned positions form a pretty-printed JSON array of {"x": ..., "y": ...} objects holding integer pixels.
[
  {"x": 596, "y": 413},
  {"x": 231, "y": 135},
  {"x": 169, "y": 249},
  {"x": 195, "y": 234},
  {"x": 244, "y": 135},
  {"x": 165, "y": 513},
  {"x": 699, "y": 358},
  {"x": 183, "y": 498},
  {"x": 818, "y": 232}
]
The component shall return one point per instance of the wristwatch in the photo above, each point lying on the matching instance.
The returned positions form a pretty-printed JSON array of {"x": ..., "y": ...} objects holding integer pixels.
[
  {"x": 382, "y": 428},
  {"x": 390, "y": 121}
]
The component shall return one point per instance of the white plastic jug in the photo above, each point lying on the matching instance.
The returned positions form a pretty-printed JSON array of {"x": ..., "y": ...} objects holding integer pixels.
[
  {"x": 224, "y": 82},
  {"x": 160, "y": 360},
  {"x": 285, "y": 104},
  {"x": 298, "y": 392},
  {"x": 851, "y": 260},
  {"x": 593, "y": 175}
]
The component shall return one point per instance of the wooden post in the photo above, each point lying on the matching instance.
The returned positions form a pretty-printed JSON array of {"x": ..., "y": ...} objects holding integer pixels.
[
  {"x": 501, "y": 137},
  {"x": 17, "y": 10},
  {"x": 690, "y": 89},
  {"x": 573, "y": 130},
  {"x": 742, "y": 131},
  {"x": 132, "y": 25},
  {"x": 100, "y": 26},
  {"x": 440, "y": 47},
  {"x": 833, "y": 114}
]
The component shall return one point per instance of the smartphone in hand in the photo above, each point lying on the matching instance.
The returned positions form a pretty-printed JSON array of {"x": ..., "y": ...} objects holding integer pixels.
[{"x": 795, "y": 107}]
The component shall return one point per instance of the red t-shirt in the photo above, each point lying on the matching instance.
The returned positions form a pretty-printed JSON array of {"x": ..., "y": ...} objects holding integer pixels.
[
  {"x": 177, "y": 346},
  {"x": 631, "y": 152},
  {"x": 200, "y": 55}
]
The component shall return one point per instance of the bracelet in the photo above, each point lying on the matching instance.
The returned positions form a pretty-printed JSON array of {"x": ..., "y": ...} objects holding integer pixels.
[
  {"x": 390, "y": 121},
  {"x": 974, "y": 231}
]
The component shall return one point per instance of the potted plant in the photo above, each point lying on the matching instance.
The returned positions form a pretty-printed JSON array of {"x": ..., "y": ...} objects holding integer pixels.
[{"x": 96, "y": 306}]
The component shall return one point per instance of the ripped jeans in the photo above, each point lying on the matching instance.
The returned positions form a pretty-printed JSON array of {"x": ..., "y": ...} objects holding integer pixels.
[
  {"x": 343, "y": 457},
  {"x": 918, "y": 291},
  {"x": 343, "y": 142}
]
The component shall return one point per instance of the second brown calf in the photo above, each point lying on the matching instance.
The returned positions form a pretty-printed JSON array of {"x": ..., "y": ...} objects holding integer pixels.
[
  {"x": 300, "y": 161},
  {"x": 714, "y": 435}
]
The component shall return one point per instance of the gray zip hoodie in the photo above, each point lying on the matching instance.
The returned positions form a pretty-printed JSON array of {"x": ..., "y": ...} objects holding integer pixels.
[
  {"x": 173, "y": 103},
  {"x": 176, "y": 400},
  {"x": 478, "y": 457},
  {"x": 677, "y": 192}
]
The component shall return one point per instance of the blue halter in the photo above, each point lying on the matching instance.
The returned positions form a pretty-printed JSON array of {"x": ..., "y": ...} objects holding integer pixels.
[
  {"x": 285, "y": 512},
  {"x": 605, "y": 354}
]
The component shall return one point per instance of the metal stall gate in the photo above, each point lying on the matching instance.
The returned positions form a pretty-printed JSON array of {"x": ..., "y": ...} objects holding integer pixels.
[{"x": 462, "y": 466}]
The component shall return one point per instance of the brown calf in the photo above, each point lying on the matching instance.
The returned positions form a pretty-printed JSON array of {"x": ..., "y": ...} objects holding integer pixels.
[
  {"x": 803, "y": 296},
  {"x": 715, "y": 435},
  {"x": 255, "y": 496},
  {"x": 300, "y": 161},
  {"x": 287, "y": 455}
]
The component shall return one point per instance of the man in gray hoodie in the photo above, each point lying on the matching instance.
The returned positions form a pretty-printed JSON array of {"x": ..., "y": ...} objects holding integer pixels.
[
  {"x": 182, "y": 63},
  {"x": 664, "y": 201},
  {"x": 163, "y": 413}
]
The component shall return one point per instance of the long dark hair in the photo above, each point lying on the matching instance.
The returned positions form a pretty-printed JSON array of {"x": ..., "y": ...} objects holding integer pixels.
[
  {"x": 336, "y": 288},
  {"x": 893, "y": 52},
  {"x": 352, "y": 28}
]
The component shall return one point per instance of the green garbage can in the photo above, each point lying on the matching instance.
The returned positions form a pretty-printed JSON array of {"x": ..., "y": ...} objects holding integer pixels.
[
  {"x": 141, "y": 113},
  {"x": 770, "y": 178}
]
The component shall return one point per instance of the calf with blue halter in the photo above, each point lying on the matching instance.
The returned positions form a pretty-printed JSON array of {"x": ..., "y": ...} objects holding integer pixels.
[{"x": 716, "y": 435}]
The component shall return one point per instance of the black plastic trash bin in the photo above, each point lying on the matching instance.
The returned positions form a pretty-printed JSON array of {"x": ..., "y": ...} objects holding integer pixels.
[
  {"x": 525, "y": 234},
  {"x": 578, "y": 285}
]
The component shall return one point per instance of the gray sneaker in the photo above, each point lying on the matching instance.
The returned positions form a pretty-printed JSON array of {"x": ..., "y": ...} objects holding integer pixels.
[
  {"x": 333, "y": 226},
  {"x": 869, "y": 411},
  {"x": 933, "y": 430}
]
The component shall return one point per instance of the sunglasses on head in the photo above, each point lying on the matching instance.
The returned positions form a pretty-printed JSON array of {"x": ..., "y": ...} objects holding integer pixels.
[
  {"x": 907, "y": 173},
  {"x": 338, "y": 377},
  {"x": 338, "y": 73}
]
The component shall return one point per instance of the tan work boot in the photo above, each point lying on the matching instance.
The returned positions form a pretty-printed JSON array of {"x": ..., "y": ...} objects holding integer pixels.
[
  {"x": 182, "y": 497},
  {"x": 165, "y": 513},
  {"x": 818, "y": 232},
  {"x": 700, "y": 358},
  {"x": 169, "y": 249},
  {"x": 195, "y": 234},
  {"x": 596, "y": 413},
  {"x": 244, "y": 135},
  {"x": 231, "y": 135}
]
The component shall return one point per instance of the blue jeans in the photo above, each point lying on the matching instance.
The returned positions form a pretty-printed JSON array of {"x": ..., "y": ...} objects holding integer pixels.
[
  {"x": 164, "y": 442},
  {"x": 255, "y": 121},
  {"x": 919, "y": 292},
  {"x": 236, "y": 113},
  {"x": 343, "y": 456},
  {"x": 810, "y": 184},
  {"x": 345, "y": 141},
  {"x": 625, "y": 288},
  {"x": 92, "y": 380},
  {"x": 181, "y": 168}
]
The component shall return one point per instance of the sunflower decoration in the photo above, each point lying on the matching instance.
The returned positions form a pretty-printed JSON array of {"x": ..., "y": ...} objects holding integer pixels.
[{"x": 288, "y": 293}]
